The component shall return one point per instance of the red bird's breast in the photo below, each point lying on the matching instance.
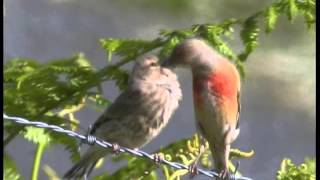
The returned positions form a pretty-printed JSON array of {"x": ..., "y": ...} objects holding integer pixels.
[{"x": 222, "y": 84}]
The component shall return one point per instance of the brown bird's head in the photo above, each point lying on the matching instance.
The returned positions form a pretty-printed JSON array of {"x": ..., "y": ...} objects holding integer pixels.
[
  {"x": 146, "y": 68},
  {"x": 147, "y": 62},
  {"x": 192, "y": 53}
]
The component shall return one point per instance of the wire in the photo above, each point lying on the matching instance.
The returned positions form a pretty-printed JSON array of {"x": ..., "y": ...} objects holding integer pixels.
[{"x": 92, "y": 140}]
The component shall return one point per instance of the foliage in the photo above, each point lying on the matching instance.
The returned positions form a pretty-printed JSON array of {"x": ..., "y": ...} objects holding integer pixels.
[
  {"x": 52, "y": 175},
  {"x": 48, "y": 92},
  {"x": 10, "y": 169},
  {"x": 52, "y": 92},
  {"x": 218, "y": 35},
  {"x": 183, "y": 151},
  {"x": 305, "y": 171}
]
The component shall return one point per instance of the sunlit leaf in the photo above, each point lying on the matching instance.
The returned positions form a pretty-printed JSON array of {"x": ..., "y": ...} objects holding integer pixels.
[
  {"x": 36, "y": 135},
  {"x": 293, "y": 10},
  {"x": 288, "y": 170},
  {"x": 52, "y": 174},
  {"x": 10, "y": 169},
  {"x": 271, "y": 18}
]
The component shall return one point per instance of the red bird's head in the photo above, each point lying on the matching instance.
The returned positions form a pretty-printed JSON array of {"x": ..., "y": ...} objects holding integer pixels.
[{"x": 192, "y": 53}]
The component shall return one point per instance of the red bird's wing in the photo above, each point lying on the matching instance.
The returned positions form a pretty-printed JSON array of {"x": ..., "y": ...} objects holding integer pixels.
[{"x": 239, "y": 110}]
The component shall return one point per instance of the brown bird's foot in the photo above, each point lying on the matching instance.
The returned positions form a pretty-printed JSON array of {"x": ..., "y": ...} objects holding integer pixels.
[
  {"x": 115, "y": 148},
  {"x": 193, "y": 169},
  {"x": 157, "y": 158}
]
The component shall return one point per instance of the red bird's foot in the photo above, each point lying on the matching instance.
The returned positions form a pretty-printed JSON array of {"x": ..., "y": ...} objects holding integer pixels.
[
  {"x": 115, "y": 148},
  {"x": 193, "y": 169},
  {"x": 224, "y": 175},
  {"x": 157, "y": 158}
]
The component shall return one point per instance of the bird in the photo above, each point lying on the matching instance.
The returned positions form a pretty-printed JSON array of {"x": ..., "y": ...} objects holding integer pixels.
[
  {"x": 216, "y": 97},
  {"x": 136, "y": 116}
]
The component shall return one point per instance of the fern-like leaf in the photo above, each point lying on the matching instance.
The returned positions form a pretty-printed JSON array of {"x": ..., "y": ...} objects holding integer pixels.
[
  {"x": 271, "y": 16},
  {"x": 249, "y": 36},
  {"x": 292, "y": 10},
  {"x": 11, "y": 171}
]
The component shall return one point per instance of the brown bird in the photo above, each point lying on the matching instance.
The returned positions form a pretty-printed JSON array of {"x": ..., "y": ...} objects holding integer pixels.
[
  {"x": 216, "y": 94},
  {"x": 138, "y": 114}
]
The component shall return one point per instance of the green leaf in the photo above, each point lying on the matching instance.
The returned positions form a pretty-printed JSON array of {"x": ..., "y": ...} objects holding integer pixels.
[
  {"x": 81, "y": 61},
  {"x": 51, "y": 174},
  {"x": 36, "y": 135},
  {"x": 110, "y": 45},
  {"x": 119, "y": 75},
  {"x": 271, "y": 16},
  {"x": 10, "y": 169},
  {"x": 215, "y": 34},
  {"x": 70, "y": 144},
  {"x": 311, "y": 165},
  {"x": 309, "y": 19},
  {"x": 307, "y": 8},
  {"x": 128, "y": 48},
  {"x": 102, "y": 176},
  {"x": 100, "y": 102},
  {"x": 241, "y": 69},
  {"x": 169, "y": 45},
  {"x": 293, "y": 10},
  {"x": 249, "y": 36},
  {"x": 288, "y": 170}
]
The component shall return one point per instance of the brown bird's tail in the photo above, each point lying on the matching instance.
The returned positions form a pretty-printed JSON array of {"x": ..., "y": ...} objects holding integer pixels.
[{"x": 83, "y": 168}]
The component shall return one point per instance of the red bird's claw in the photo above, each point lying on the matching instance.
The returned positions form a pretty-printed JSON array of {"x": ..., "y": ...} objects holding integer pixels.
[
  {"x": 115, "y": 148},
  {"x": 157, "y": 158},
  {"x": 193, "y": 169},
  {"x": 224, "y": 175}
]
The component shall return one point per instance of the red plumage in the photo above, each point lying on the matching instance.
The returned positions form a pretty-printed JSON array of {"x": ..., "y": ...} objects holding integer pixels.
[
  {"x": 216, "y": 88},
  {"x": 223, "y": 84}
]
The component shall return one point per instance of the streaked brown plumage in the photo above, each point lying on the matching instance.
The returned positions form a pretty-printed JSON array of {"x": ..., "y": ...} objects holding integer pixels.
[{"x": 138, "y": 114}]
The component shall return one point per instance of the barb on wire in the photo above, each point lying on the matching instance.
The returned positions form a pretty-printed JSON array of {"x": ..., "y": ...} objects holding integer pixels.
[{"x": 94, "y": 140}]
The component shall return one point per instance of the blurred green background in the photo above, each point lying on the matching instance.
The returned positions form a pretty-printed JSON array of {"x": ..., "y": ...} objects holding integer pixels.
[{"x": 278, "y": 94}]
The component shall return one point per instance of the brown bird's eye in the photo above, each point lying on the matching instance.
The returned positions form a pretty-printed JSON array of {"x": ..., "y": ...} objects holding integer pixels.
[{"x": 153, "y": 64}]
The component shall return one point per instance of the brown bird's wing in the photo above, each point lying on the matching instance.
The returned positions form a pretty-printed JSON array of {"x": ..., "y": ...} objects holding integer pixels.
[
  {"x": 126, "y": 104},
  {"x": 122, "y": 107}
]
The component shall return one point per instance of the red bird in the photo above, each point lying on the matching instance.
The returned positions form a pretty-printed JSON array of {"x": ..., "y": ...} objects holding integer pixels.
[{"x": 216, "y": 94}]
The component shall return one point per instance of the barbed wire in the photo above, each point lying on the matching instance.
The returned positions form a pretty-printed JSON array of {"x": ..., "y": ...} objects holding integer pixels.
[{"x": 91, "y": 140}]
